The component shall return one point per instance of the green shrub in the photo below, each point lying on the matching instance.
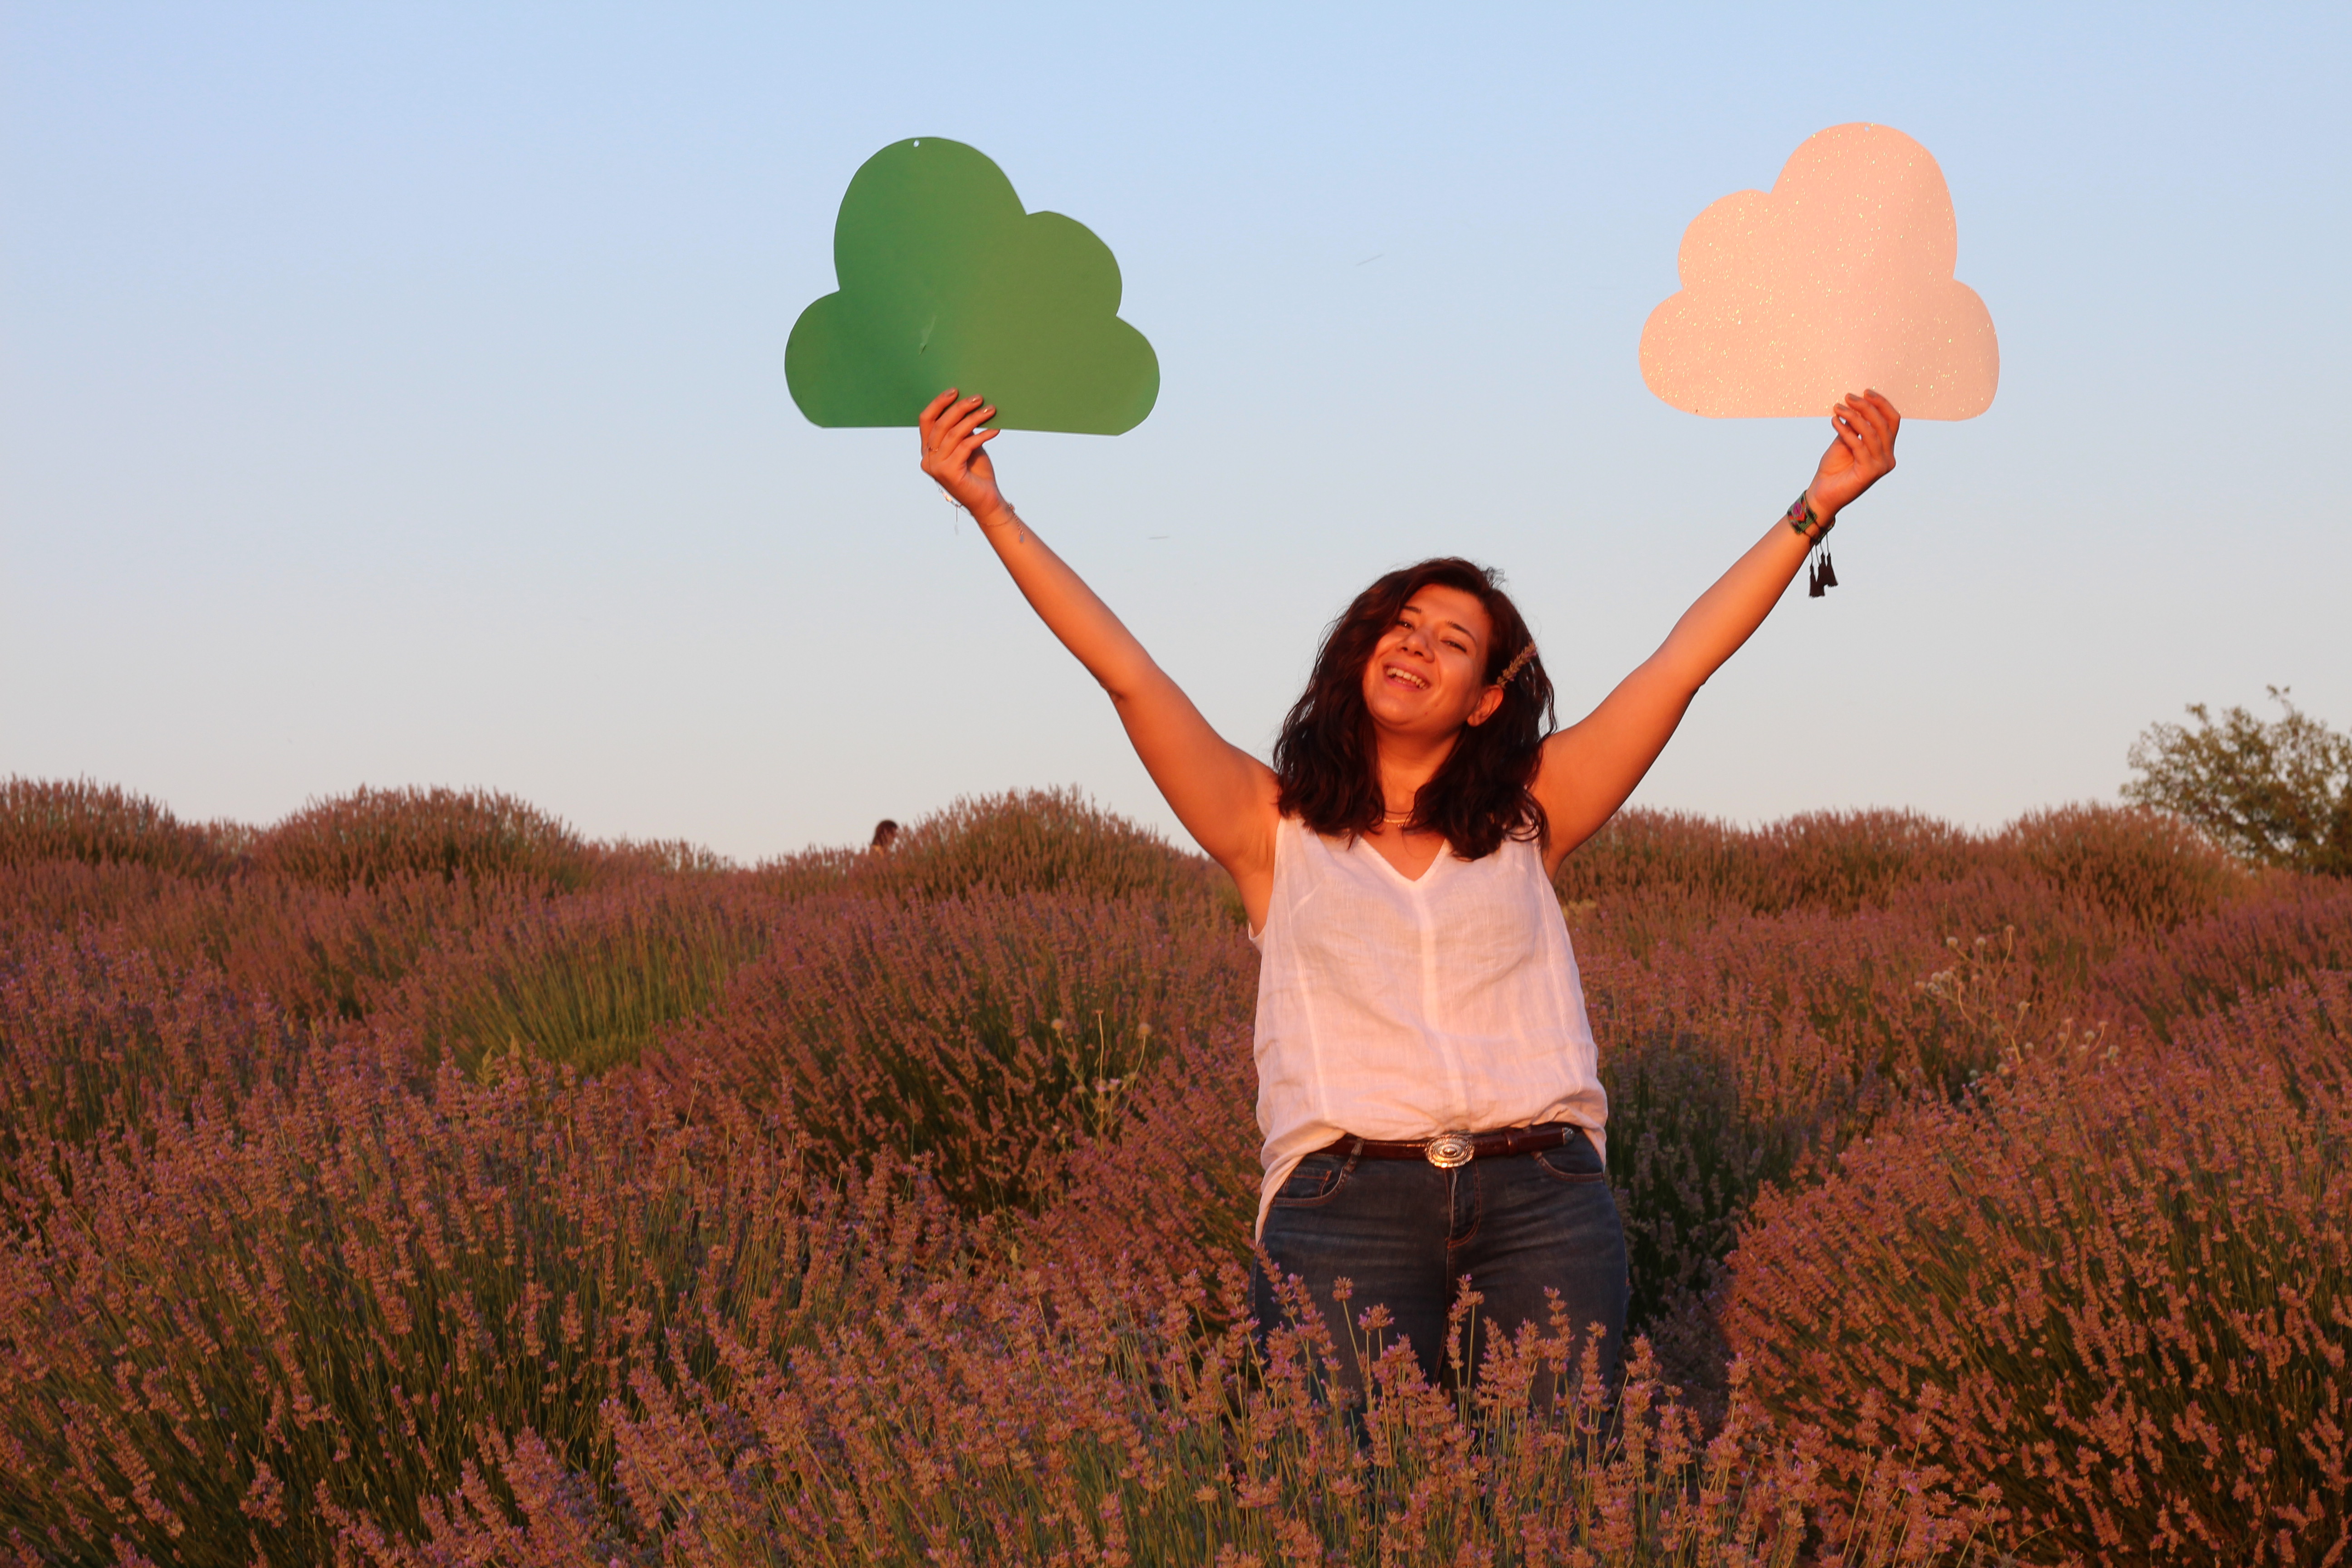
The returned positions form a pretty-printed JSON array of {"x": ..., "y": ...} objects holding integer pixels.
[
  {"x": 2279, "y": 794},
  {"x": 584, "y": 981}
]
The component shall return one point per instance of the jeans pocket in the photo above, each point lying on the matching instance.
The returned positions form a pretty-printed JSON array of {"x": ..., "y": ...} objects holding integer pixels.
[
  {"x": 1574, "y": 1160},
  {"x": 1317, "y": 1179}
]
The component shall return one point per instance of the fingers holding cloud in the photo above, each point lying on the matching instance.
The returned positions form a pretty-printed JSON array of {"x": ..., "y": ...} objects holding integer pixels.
[
  {"x": 1838, "y": 279},
  {"x": 945, "y": 280}
]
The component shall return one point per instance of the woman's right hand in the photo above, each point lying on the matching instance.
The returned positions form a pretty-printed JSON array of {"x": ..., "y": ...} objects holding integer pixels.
[{"x": 954, "y": 454}]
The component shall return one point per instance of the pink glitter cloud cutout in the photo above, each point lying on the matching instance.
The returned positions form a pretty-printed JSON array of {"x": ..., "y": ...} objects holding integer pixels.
[{"x": 1839, "y": 277}]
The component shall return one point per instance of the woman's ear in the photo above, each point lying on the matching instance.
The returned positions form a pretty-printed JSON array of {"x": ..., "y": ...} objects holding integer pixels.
[{"x": 1488, "y": 700}]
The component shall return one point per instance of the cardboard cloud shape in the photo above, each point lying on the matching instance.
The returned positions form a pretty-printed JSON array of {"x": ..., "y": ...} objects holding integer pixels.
[
  {"x": 946, "y": 281},
  {"x": 1837, "y": 280}
]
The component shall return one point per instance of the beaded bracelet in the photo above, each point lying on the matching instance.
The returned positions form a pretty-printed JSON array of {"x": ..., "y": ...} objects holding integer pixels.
[{"x": 1799, "y": 516}]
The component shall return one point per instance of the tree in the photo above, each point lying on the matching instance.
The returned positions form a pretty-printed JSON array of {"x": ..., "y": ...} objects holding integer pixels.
[{"x": 2280, "y": 793}]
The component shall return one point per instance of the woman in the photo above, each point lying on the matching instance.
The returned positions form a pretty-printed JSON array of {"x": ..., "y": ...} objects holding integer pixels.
[{"x": 1426, "y": 1076}]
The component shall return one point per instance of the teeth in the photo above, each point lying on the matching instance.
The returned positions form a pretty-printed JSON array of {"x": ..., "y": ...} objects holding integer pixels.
[{"x": 1404, "y": 674}]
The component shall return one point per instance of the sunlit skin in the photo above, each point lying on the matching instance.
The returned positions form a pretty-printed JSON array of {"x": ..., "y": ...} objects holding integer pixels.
[{"x": 1423, "y": 684}]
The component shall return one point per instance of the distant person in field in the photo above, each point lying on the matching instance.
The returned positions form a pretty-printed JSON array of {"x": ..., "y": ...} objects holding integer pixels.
[
  {"x": 1427, "y": 1081},
  {"x": 886, "y": 833}
]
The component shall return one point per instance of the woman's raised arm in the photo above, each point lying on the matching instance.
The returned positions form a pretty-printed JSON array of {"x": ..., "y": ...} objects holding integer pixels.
[
  {"x": 1223, "y": 796},
  {"x": 1589, "y": 768}
]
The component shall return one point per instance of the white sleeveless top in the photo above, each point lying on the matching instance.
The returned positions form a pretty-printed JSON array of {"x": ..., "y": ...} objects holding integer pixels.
[{"x": 1392, "y": 1008}]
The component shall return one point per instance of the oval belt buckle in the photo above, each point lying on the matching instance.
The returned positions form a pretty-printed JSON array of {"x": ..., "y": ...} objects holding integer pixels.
[{"x": 1448, "y": 1150}]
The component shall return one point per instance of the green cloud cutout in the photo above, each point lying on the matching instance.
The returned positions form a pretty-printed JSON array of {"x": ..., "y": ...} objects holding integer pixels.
[{"x": 946, "y": 281}]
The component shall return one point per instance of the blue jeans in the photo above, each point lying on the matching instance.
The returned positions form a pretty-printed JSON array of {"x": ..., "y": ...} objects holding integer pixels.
[{"x": 1405, "y": 1234}]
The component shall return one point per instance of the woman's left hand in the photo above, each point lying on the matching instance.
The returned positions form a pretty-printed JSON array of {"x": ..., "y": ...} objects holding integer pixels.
[{"x": 1862, "y": 453}]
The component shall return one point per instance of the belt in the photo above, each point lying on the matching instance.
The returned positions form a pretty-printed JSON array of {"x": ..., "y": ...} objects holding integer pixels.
[{"x": 1448, "y": 1150}]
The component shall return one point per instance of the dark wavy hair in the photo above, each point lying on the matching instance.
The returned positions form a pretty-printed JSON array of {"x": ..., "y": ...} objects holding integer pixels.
[{"x": 1327, "y": 757}]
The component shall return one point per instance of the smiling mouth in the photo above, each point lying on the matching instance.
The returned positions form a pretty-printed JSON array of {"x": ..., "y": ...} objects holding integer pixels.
[{"x": 1398, "y": 672}]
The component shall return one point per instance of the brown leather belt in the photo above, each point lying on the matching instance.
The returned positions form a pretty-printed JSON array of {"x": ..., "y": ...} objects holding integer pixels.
[{"x": 1448, "y": 1150}]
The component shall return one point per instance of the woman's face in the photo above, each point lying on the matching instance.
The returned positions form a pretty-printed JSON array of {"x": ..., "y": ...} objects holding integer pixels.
[{"x": 1427, "y": 676}]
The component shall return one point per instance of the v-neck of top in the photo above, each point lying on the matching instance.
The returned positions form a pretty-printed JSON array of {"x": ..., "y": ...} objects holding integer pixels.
[{"x": 1444, "y": 852}]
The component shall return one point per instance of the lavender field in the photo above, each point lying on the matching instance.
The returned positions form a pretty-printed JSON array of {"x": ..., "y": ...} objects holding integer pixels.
[{"x": 414, "y": 1182}]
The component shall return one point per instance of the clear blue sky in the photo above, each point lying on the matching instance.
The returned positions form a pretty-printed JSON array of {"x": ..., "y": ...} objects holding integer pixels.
[{"x": 394, "y": 394}]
